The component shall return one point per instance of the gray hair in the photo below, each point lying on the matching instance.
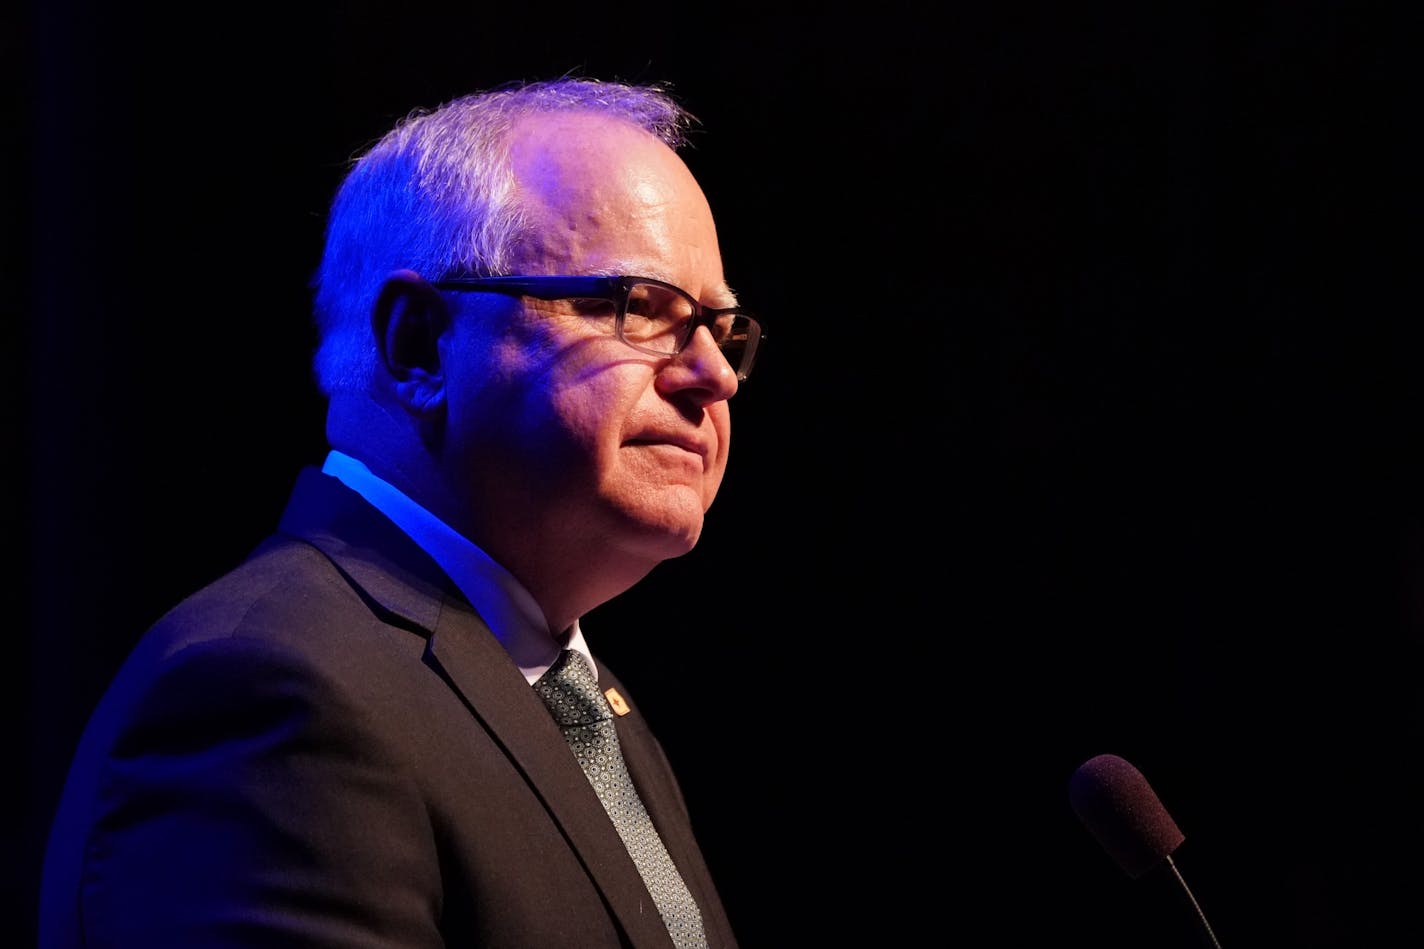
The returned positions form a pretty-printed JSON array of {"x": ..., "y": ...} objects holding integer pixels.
[{"x": 436, "y": 195}]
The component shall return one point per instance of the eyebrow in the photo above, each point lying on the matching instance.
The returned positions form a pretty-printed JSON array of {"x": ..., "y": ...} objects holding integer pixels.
[{"x": 721, "y": 294}]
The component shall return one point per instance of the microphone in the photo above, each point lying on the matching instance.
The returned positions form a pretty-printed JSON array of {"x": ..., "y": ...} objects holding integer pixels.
[{"x": 1117, "y": 805}]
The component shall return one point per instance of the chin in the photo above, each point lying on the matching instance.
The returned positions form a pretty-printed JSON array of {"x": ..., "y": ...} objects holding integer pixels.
[
  {"x": 658, "y": 523},
  {"x": 676, "y": 540},
  {"x": 667, "y": 537}
]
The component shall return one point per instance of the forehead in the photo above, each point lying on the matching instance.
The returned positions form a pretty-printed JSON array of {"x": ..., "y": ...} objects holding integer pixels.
[
  {"x": 606, "y": 196},
  {"x": 568, "y": 155}
]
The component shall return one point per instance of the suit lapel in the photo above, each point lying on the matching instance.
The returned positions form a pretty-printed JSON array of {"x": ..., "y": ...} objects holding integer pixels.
[
  {"x": 402, "y": 582},
  {"x": 477, "y": 667},
  {"x": 653, "y": 776}
]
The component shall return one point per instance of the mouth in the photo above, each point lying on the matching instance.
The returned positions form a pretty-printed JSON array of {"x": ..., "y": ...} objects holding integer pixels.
[{"x": 681, "y": 446}]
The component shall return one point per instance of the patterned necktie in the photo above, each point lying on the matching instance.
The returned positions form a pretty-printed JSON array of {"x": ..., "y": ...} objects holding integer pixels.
[{"x": 581, "y": 711}]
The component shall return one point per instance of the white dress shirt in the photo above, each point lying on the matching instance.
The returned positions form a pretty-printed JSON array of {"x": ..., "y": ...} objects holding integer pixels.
[{"x": 502, "y": 602}]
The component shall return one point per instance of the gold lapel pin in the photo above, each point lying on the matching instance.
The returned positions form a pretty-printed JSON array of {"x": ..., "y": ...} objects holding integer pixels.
[{"x": 616, "y": 701}]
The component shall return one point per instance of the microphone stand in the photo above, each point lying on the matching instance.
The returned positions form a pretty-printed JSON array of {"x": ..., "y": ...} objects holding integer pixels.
[{"x": 1188, "y": 890}]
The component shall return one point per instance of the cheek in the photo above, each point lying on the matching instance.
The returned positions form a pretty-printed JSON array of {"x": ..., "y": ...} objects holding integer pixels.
[
  {"x": 721, "y": 424},
  {"x": 500, "y": 403},
  {"x": 588, "y": 405}
]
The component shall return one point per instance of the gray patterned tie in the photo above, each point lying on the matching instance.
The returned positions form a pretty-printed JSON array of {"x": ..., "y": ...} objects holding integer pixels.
[{"x": 582, "y": 712}]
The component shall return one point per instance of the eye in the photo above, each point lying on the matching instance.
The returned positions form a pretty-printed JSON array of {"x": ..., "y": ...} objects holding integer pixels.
[
  {"x": 604, "y": 313},
  {"x": 639, "y": 316},
  {"x": 591, "y": 306},
  {"x": 654, "y": 312}
]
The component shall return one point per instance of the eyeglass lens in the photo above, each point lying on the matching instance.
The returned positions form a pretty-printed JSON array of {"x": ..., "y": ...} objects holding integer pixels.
[{"x": 658, "y": 317}]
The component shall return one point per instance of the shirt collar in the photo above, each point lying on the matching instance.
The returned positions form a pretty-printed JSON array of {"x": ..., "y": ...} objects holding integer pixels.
[{"x": 501, "y": 601}]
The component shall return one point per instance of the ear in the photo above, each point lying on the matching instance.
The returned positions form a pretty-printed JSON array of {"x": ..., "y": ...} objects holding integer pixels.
[{"x": 408, "y": 321}]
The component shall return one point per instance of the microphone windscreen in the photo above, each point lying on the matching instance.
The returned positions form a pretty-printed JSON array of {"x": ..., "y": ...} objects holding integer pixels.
[{"x": 1115, "y": 802}]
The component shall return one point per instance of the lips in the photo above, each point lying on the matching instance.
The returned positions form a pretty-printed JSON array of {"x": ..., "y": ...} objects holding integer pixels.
[{"x": 690, "y": 445}]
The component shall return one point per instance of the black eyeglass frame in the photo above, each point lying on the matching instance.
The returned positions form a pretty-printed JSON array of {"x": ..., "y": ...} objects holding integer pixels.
[{"x": 616, "y": 290}]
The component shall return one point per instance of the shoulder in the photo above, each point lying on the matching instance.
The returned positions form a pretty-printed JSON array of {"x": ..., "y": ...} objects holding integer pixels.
[{"x": 282, "y": 638}]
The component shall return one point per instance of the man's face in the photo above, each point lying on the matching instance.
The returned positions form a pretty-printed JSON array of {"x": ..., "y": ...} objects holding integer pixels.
[{"x": 575, "y": 444}]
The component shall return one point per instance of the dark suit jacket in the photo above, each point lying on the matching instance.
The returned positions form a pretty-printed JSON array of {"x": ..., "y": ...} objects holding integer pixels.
[{"x": 328, "y": 747}]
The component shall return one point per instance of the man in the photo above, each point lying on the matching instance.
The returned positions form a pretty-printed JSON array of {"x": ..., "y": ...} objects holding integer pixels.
[{"x": 345, "y": 742}]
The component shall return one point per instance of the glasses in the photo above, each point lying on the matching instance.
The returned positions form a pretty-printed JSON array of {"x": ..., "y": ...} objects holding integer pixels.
[{"x": 651, "y": 316}]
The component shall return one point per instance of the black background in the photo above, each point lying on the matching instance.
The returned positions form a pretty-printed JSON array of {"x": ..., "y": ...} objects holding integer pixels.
[{"x": 1088, "y": 422}]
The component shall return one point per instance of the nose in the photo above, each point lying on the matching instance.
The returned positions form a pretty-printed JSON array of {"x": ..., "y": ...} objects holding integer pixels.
[{"x": 700, "y": 368}]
